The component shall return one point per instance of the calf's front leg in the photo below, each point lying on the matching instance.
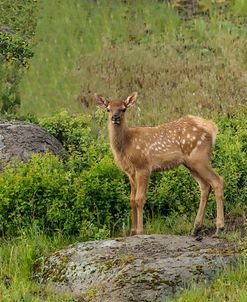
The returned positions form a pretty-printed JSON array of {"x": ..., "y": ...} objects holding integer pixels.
[
  {"x": 133, "y": 205},
  {"x": 142, "y": 178}
]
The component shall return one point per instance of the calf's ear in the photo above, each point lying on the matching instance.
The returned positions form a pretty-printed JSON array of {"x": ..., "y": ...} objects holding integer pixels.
[
  {"x": 101, "y": 101},
  {"x": 131, "y": 99}
]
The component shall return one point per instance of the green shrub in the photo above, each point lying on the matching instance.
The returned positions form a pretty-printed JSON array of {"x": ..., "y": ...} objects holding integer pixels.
[
  {"x": 17, "y": 22},
  {"x": 230, "y": 158},
  {"x": 14, "y": 48},
  {"x": 86, "y": 194},
  {"x": 29, "y": 191},
  {"x": 43, "y": 191},
  {"x": 19, "y": 16},
  {"x": 84, "y": 147},
  {"x": 172, "y": 192}
]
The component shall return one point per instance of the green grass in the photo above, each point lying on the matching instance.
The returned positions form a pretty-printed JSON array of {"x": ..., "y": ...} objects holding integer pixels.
[
  {"x": 173, "y": 224},
  {"x": 115, "y": 48},
  {"x": 68, "y": 32},
  {"x": 18, "y": 258},
  {"x": 229, "y": 286}
]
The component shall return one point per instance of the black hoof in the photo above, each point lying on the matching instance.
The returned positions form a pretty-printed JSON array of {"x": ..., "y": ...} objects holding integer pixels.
[
  {"x": 132, "y": 232},
  {"x": 195, "y": 232}
]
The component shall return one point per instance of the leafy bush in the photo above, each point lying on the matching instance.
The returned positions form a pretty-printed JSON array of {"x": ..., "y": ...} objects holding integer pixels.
[
  {"x": 84, "y": 147},
  {"x": 19, "y": 16},
  {"x": 14, "y": 48},
  {"x": 43, "y": 191},
  {"x": 17, "y": 25},
  {"x": 85, "y": 193}
]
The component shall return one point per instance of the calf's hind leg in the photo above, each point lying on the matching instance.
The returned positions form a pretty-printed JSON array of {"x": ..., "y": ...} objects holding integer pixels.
[
  {"x": 205, "y": 190},
  {"x": 207, "y": 173}
]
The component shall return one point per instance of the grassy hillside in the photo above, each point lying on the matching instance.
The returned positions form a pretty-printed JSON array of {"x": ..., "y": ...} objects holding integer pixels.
[{"x": 178, "y": 65}]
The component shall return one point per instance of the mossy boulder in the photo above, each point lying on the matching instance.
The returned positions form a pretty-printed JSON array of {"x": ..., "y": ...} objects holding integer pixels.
[{"x": 139, "y": 268}]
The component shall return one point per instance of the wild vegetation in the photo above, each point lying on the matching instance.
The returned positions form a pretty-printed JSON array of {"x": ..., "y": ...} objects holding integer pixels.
[
  {"x": 178, "y": 66},
  {"x": 17, "y": 24},
  {"x": 54, "y": 55},
  {"x": 85, "y": 188}
]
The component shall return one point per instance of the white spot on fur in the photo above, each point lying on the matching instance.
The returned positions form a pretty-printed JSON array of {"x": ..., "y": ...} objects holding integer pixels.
[
  {"x": 194, "y": 129},
  {"x": 199, "y": 142},
  {"x": 183, "y": 141},
  {"x": 138, "y": 147},
  {"x": 188, "y": 135}
]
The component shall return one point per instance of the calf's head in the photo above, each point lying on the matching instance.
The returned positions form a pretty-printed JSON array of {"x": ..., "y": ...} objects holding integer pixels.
[{"x": 116, "y": 109}]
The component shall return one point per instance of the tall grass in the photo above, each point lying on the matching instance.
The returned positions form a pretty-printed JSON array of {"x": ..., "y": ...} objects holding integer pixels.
[
  {"x": 114, "y": 47},
  {"x": 18, "y": 258},
  {"x": 68, "y": 30},
  {"x": 230, "y": 286}
]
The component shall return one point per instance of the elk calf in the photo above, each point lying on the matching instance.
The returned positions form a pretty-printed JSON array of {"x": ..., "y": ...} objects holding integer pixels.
[{"x": 139, "y": 151}]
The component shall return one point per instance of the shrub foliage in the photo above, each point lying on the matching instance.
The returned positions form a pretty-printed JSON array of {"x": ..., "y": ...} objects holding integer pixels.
[{"x": 85, "y": 193}]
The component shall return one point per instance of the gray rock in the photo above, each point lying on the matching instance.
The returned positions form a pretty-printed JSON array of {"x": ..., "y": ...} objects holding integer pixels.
[
  {"x": 20, "y": 139},
  {"x": 139, "y": 268}
]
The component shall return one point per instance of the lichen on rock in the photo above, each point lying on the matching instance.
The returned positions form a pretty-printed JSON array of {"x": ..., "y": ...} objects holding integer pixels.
[{"x": 139, "y": 268}]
